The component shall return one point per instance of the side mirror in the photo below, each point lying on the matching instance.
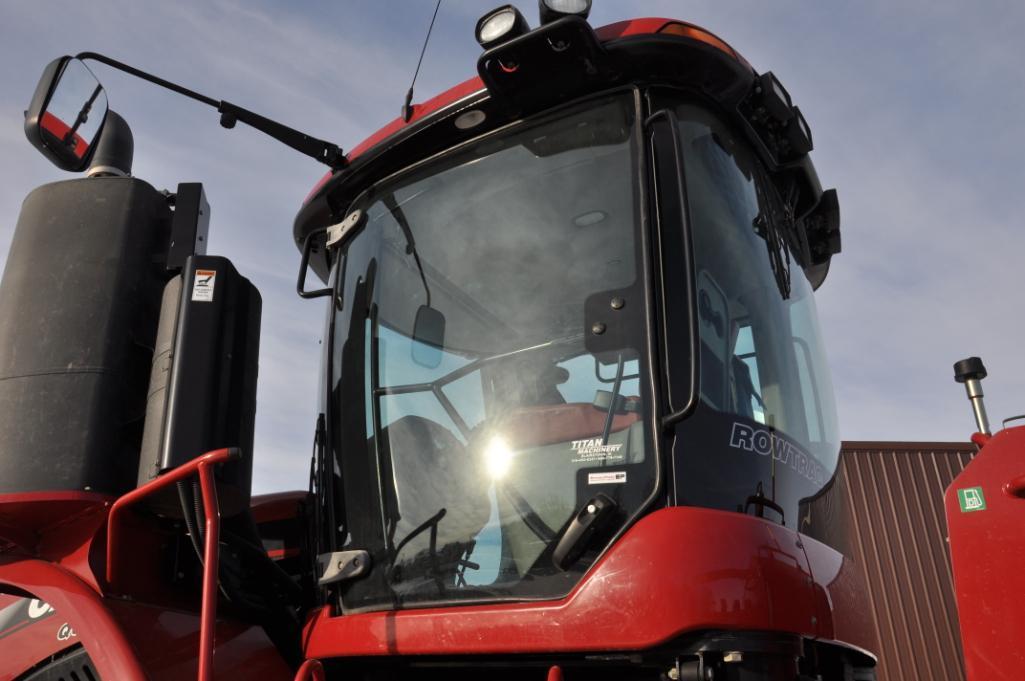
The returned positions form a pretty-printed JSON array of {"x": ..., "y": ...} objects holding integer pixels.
[
  {"x": 428, "y": 337},
  {"x": 67, "y": 114}
]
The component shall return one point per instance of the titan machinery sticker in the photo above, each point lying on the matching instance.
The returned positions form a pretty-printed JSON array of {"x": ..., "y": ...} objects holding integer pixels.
[
  {"x": 593, "y": 451},
  {"x": 612, "y": 478},
  {"x": 203, "y": 286}
]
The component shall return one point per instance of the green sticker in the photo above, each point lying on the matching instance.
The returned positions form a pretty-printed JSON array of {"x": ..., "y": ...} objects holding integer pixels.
[{"x": 971, "y": 499}]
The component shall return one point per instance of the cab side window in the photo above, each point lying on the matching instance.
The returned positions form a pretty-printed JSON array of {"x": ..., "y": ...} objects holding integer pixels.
[{"x": 765, "y": 425}]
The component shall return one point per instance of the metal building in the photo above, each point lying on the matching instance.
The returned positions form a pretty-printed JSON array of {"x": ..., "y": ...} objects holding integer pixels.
[{"x": 898, "y": 535}]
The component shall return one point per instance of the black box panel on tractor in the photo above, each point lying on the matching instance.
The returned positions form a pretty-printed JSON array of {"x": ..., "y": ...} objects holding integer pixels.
[
  {"x": 79, "y": 302},
  {"x": 202, "y": 393}
]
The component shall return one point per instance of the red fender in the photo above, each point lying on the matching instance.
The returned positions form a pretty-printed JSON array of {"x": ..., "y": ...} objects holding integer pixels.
[{"x": 96, "y": 627}]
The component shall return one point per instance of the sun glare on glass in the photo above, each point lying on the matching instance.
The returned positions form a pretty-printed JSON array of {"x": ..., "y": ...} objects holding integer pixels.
[{"x": 498, "y": 458}]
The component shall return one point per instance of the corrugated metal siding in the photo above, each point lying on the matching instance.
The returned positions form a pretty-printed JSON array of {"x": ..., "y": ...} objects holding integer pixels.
[{"x": 899, "y": 537}]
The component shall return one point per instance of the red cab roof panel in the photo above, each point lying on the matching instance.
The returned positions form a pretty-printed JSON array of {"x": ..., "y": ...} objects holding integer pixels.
[{"x": 616, "y": 31}]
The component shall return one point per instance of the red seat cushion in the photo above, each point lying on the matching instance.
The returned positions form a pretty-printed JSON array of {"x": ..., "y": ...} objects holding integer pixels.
[{"x": 548, "y": 424}]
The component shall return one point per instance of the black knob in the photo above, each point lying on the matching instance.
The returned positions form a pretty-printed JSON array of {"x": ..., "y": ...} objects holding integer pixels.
[{"x": 968, "y": 369}]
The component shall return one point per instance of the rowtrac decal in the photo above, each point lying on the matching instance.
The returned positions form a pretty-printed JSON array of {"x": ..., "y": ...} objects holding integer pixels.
[{"x": 764, "y": 441}]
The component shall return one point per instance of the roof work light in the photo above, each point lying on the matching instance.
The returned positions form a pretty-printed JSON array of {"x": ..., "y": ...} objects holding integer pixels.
[
  {"x": 500, "y": 25},
  {"x": 556, "y": 9},
  {"x": 775, "y": 97}
]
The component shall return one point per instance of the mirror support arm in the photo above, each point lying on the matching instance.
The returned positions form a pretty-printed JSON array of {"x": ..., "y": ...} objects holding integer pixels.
[
  {"x": 325, "y": 152},
  {"x": 131, "y": 70}
]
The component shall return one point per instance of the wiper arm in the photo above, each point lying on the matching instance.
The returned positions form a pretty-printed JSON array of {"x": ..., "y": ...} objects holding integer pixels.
[
  {"x": 400, "y": 217},
  {"x": 779, "y": 254},
  {"x": 528, "y": 515},
  {"x": 432, "y": 525},
  {"x": 82, "y": 117},
  {"x": 611, "y": 413},
  {"x": 429, "y": 524}
]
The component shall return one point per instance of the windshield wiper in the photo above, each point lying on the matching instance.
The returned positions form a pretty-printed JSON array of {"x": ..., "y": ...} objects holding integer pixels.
[
  {"x": 779, "y": 255},
  {"x": 83, "y": 116},
  {"x": 527, "y": 514},
  {"x": 429, "y": 524},
  {"x": 400, "y": 217},
  {"x": 611, "y": 413}
]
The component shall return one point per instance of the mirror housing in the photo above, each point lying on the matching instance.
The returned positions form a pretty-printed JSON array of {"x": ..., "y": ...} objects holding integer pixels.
[
  {"x": 428, "y": 337},
  {"x": 67, "y": 113}
]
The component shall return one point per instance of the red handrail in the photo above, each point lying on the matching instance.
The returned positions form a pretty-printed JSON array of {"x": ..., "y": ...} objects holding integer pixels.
[
  {"x": 203, "y": 466},
  {"x": 311, "y": 670}
]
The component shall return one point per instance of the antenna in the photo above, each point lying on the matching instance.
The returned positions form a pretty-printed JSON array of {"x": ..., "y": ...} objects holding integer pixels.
[{"x": 407, "y": 107}]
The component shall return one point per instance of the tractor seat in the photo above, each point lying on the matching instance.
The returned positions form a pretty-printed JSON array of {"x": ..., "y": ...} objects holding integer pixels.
[
  {"x": 537, "y": 426},
  {"x": 431, "y": 470}
]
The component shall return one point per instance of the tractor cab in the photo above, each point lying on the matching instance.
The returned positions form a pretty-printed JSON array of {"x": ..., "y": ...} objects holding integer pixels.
[{"x": 561, "y": 297}]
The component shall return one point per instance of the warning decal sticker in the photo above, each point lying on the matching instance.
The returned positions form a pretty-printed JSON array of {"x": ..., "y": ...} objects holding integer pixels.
[
  {"x": 203, "y": 286},
  {"x": 610, "y": 478}
]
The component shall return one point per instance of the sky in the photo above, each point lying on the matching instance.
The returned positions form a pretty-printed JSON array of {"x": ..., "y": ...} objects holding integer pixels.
[{"x": 916, "y": 110}]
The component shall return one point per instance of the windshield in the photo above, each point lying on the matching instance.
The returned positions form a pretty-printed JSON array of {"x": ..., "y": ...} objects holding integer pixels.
[
  {"x": 764, "y": 436},
  {"x": 479, "y": 402}
]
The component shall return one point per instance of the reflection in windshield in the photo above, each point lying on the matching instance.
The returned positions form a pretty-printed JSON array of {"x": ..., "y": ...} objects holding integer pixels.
[
  {"x": 765, "y": 431},
  {"x": 76, "y": 109},
  {"x": 486, "y": 453}
]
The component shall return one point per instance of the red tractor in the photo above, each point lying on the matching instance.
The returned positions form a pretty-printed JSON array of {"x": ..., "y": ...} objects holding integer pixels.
[
  {"x": 575, "y": 415},
  {"x": 984, "y": 508}
]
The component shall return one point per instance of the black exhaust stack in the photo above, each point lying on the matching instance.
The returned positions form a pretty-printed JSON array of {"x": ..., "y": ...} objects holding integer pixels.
[{"x": 79, "y": 303}]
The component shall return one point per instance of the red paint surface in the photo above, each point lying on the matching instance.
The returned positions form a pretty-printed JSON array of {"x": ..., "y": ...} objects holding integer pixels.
[
  {"x": 839, "y": 588},
  {"x": 59, "y": 526},
  {"x": 162, "y": 641},
  {"x": 31, "y": 640},
  {"x": 122, "y": 637},
  {"x": 987, "y": 550},
  {"x": 166, "y": 642},
  {"x": 60, "y": 130},
  {"x": 203, "y": 467},
  {"x": 464, "y": 89},
  {"x": 622, "y": 29},
  {"x": 311, "y": 670},
  {"x": 36, "y": 512},
  {"x": 211, "y": 563},
  {"x": 82, "y": 607},
  {"x": 676, "y": 570},
  {"x": 268, "y": 508}
]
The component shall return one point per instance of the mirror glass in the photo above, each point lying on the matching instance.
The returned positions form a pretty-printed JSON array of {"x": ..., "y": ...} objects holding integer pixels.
[
  {"x": 71, "y": 120},
  {"x": 428, "y": 337}
]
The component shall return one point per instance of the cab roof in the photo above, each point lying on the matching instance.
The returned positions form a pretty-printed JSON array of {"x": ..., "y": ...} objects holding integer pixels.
[
  {"x": 566, "y": 60},
  {"x": 475, "y": 85}
]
